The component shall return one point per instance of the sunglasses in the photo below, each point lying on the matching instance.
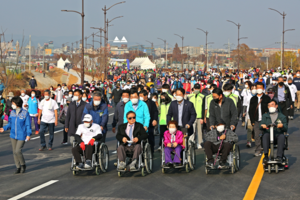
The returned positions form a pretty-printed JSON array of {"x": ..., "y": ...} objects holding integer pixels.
[{"x": 130, "y": 118}]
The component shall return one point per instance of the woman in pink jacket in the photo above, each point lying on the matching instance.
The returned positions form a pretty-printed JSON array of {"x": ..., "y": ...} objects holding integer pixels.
[{"x": 173, "y": 141}]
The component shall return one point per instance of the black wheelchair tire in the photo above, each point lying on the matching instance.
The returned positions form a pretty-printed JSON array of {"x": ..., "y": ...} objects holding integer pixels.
[
  {"x": 103, "y": 157},
  {"x": 148, "y": 158}
]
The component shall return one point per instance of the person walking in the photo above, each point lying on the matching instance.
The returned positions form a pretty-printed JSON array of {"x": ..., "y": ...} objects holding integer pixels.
[
  {"x": 20, "y": 131},
  {"x": 48, "y": 107},
  {"x": 116, "y": 94},
  {"x": 33, "y": 83},
  {"x": 33, "y": 103}
]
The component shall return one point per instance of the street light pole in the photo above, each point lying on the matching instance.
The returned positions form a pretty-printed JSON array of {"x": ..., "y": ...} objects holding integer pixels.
[
  {"x": 165, "y": 41},
  {"x": 206, "y": 54},
  {"x": 182, "y": 38},
  {"x": 151, "y": 50},
  {"x": 82, "y": 49}
]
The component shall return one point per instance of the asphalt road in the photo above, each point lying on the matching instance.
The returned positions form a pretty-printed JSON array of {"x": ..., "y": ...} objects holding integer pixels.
[{"x": 45, "y": 166}]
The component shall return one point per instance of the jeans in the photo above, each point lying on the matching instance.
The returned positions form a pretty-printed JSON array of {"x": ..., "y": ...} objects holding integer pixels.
[
  {"x": 43, "y": 129},
  {"x": 278, "y": 139},
  {"x": 35, "y": 119}
]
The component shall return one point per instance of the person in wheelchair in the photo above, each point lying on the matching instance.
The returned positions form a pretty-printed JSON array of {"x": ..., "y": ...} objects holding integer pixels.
[
  {"x": 130, "y": 136},
  {"x": 213, "y": 141},
  {"x": 86, "y": 134},
  {"x": 173, "y": 141},
  {"x": 274, "y": 117}
]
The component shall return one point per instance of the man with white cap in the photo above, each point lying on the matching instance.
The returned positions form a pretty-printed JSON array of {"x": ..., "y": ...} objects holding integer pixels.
[{"x": 86, "y": 134}]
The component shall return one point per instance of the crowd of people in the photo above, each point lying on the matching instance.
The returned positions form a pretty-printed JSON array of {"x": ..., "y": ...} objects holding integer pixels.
[{"x": 147, "y": 103}]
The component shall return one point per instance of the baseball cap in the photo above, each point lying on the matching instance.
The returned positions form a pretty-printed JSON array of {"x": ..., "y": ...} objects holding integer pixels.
[{"x": 87, "y": 118}]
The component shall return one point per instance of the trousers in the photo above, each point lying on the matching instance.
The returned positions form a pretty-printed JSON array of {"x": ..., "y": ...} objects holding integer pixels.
[
  {"x": 17, "y": 146},
  {"x": 168, "y": 156},
  {"x": 135, "y": 148},
  {"x": 151, "y": 138},
  {"x": 43, "y": 129},
  {"x": 35, "y": 119},
  {"x": 198, "y": 129},
  {"x": 298, "y": 100},
  {"x": 257, "y": 132},
  {"x": 163, "y": 129},
  {"x": 279, "y": 139},
  {"x": 77, "y": 152},
  {"x": 211, "y": 149}
]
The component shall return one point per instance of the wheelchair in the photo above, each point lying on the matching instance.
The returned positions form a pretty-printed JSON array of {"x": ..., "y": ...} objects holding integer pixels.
[
  {"x": 100, "y": 159},
  {"x": 188, "y": 156},
  {"x": 271, "y": 164},
  {"x": 144, "y": 162},
  {"x": 233, "y": 160}
]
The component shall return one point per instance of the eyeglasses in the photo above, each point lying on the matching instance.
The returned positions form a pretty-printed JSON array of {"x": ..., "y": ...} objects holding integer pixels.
[{"x": 130, "y": 118}]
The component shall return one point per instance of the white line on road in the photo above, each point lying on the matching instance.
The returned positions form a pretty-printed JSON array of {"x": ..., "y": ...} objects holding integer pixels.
[
  {"x": 46, "y": 134},
  {"x": 111, "y": 114},
  {"x": 33, "y": 190}
]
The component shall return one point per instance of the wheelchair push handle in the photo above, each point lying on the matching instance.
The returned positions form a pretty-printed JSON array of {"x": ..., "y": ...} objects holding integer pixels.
[{"x": 272, "y": 125}]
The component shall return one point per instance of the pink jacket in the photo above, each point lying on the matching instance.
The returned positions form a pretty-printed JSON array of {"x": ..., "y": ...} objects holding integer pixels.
[{"x": 178, "y": 138}]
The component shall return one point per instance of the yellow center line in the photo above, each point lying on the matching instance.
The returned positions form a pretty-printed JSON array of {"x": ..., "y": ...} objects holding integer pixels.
[{"x": 254, "y": 185}]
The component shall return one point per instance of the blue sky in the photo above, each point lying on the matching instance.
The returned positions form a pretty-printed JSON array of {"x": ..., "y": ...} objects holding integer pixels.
[{"x": 150, "y": 19}]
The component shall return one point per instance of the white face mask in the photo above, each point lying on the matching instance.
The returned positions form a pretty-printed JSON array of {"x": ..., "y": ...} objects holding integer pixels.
[
  {"x": 14, "y": 107},
  {"x": 32, "y": 95},
  {"x": 142, "y": 98},
  {"x": 226, "y": 94},
  {"x": 164, "y": 90},
  {"x": 272, "y": 109},
  {"x": 84, "y": 98},
  {"x": 274, "y": 82},
  {"x": 298, "y": 75},
  {"x": 220, "y": 128},
  {"x": 47, "y": 97},
  {"x": 87, "y": 124},
  {"x": 154, "y": 99},
  {"x": 70, "y": 95},
  {"x": 10, "y": 98},
  {"x": 22, "y": 94},
  {"x": 179, "y": 98},
  {"x": 97, "y": 103},
  {"x": 134, "y": 101},
  {"x": 254, "y": 91},
  {"x": 125, "y": 100},
  {"x": 172, "y": 130},
  {"x": 246, "y": 86},
  {"x": 259, "y": 91},
  {"x": 75, "y": 98}
]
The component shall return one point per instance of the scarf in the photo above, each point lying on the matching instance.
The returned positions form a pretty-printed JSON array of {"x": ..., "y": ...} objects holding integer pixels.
[{"x": 50, "y": 104}]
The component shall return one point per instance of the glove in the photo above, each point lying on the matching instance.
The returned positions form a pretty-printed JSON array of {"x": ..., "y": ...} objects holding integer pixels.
[
  {"x": 82, "y": 146},
  {"x": 91, "y": 142}
]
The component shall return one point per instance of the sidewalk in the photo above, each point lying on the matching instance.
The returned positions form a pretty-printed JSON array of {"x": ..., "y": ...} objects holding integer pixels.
[{"x": 74, "y": 73}]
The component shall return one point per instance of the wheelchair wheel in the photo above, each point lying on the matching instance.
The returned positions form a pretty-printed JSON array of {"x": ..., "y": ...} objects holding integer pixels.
[
  {"x": 120, "y": 174},
  {"x": 187, "y": 169},
  {"x": 97, "y": 170},
  {"x": 286, "y": 163},
  {"x": 143, "y": 171},
  {"x": 192, "y": 157},
  {"x": 103, "y": 157},
  {"x": 276, "y": 169},
  {"x": 269, "y": 169},
  {"x": 163, "y": 170},
  {"x": 206, "y": 170},
  {"x": 236, "y": 157},
  {"x": 232, "y": 169},
  {"x": 75, "y": 173},
  {"x": 148, "y": 158}
]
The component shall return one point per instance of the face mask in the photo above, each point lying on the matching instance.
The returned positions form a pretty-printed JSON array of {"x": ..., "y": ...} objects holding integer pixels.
[
  {"x": 254, "y": 92},
  {"x": 211, "y": 91},
  {"x": 298, "y": 75},
  {"x": 97, "y": 103},
  {"x": 259, "y": 91},
  {"x": 75, "y": 98},
  {"x": 47, "y": 97},
  {"x": 134, "y": 101},
  {"x": 246, "y": 86},
  {"x": 272, "y": 110},
  {"x": 281, "y": 83},
  {"x": 10, "y": 98},
  {"x": 14, "y": 107},
  {"x": 274, "y": 82},
  {"x": 70, "y": 95},
  {"x": 22, "y": 94},
  {"x": 208, "y": 86},
  {"x": 84, "y": 98},
  {"x": 172, "y": 130},
  {"x": 226, "y": 94},
  {"x": 290, "y": 83},
  {"x": 154, "y": 99},
  {"x": 217, "y": 100},
  {"x": 87, "y": 125},
  {"x": 179, "y": 98},
  {"x": 125, "y": 100},
  {"x": 51, "y": 88},
  {"x": 68, "y": 104},
  {"x": 164, "y": 90},
  {"x": 58, "y": 88},
  {"x": 220, "y": 128},
  {"x": 32, "y": 95},
  {"x": 142, "y": 98},
  {"x": 196, "y": 91}
]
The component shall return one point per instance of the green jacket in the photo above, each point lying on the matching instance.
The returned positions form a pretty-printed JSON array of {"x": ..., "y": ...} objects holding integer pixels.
[{"x": 266, "y": 119}]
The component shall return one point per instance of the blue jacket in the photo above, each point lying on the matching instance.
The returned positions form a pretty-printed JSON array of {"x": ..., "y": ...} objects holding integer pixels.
[
  {"x": 1, "y": 87},
  {"x": 32, "y": 105},
  {"x": 100, "y": 115},
  {"x": 19, "y": 126},
  {"x": 263, "y": 81},
  {"x": 176, "y": 85},
  {"x": 142, "y": 113}
]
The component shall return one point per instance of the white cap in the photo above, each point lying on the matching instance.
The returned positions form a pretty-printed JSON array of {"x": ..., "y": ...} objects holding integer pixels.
[{"x": 87, "y": 118}]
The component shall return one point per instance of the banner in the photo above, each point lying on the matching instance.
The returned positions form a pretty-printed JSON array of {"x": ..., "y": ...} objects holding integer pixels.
[{"x": 128, "y": 64}]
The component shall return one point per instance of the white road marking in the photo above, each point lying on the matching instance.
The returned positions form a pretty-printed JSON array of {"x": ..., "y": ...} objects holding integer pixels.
[
  {"x": 46, "y": 134},
  {"x": 33, "y": 190},
  {"x": 111, "y": 114}
]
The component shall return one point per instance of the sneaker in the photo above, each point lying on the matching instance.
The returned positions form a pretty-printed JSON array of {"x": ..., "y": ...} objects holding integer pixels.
[
  {"x": 88, "y": 164},
  {"x": 289, "y": 117},
  {"x": 122, "y": 165},
  {"x": 50, "y": 149},
  {"x": 222, "y": 165},
  {"x": 114, "y": 152},
  {"x": 37, "y": 132},
  {"x": 278, "y": 159},
  {"x": 257, "y": 154},
  {"x": 159, "y": 148},
  {"x": 243, "y": 124},
  {"x": 79, "y": 166},
  {"x": 132, "y": 165},
  {"x": 292, "y": 117},
  {"x": 265, "y": 160},
  {"x": 199, "y": 146},
  {"x": 42, "y": 148},
  {"x": 248, "y": 144},
  {"x": 64, "y": 143},
  {"x": 210, "y": 165}
]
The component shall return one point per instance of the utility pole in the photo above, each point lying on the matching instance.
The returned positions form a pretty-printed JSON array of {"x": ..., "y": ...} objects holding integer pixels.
[
  {"x": 44, "y": 59},
  {"x": 281, "y": 52},
  {"x": 267, "y": 63},
  {"x": 151, "y": 50},
  {"x": 29, "y": 53},
  {"x": 182, "y": 38},
  {"x": 165, "y": 42}
]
